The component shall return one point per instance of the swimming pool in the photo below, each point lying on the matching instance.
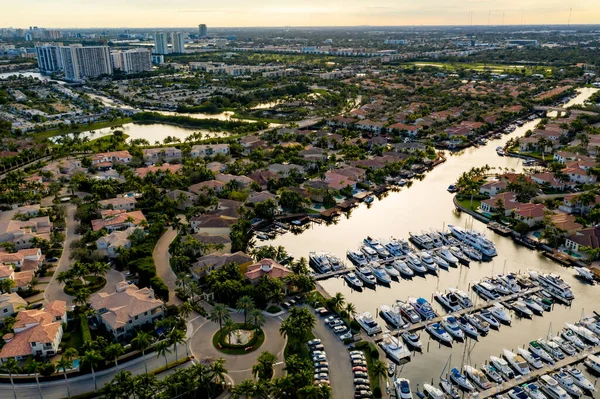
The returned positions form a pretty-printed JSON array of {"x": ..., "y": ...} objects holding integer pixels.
[{"x": 76, "y": 364}]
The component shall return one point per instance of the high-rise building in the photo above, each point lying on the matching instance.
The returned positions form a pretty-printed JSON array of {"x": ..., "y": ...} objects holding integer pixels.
[
  {"x": 202, "y": 30},
  {"x": 132, "y": 61},
  {"x": 85, "y": 62},
  {"x": 160, "y": 43},
  {"x": 177, "y": 43},
  {"x": 49, "y": 58}
]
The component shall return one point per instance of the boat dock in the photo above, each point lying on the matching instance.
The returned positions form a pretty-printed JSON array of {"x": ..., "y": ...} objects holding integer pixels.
[
  {"x": 323, "y": 276},
  {"x": 520, "y": 380},
  {"x": 484, "y": 305}
]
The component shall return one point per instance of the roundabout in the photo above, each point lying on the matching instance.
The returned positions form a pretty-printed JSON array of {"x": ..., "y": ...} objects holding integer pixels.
[{"x": 238, "y": 339}]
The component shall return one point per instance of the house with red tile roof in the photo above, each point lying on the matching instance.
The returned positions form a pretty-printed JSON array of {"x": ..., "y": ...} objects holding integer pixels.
[
  {"x": 337, "y": 181},
  {"x": 548, "y": 179},
  {"x": 110, "y": 158},
  {"x": 411, "y": 130},
  {"x": 531, "y": 214},
  {"x": 24, "y": 259},
  {"x": 589, "y": 237},
  {"x": 119, "y": 203},
  {"x": 508, "y": 200},
  {"x": 206, "y": 186},
  {"x": 266, "y": 267},
  {"x": 493, "y": 187},
  {"x": 166, "y": 168},
  {"x": 118, "y": 220}
]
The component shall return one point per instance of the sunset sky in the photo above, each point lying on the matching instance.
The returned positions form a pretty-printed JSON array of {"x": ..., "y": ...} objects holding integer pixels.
[{"x": 245, "y": 13}]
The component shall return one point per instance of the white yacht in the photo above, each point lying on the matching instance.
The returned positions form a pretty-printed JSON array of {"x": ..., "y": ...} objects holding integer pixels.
[
  {"x": 394, "y": 247},
  {"x": 478, "y": 377},
  {"x": 565, "y": 381},
  {"x": 392, "y": 315},
  {"x": 501, "y": 313},
  {"x": 427, "y": 260},
  {"x": 570, "y": 336},
  {"x": 467, "y": 327},
  {"x": 391, "y": 270},
  {"x": 580, "y": 380},
  {"x": 593, "y": 363},
  {"x": 365, "y": 274},
  {"x": 352, "y": 280},
  {"x": 522, "y": 309},
  {"x": 449, "y": 301},
  {"x": 502, "y": 367},
  {"x": 584, "y": 333},
  {"x": 564, "y": 345},
  {"x": 403, "y": 268},
  {"x": 487, "y": 316},
  {"x": 552, "y": 348},
  {"x": 481, "y": 243},
  {"x": 412, "y": 340},
  {"x": 402, "y": 386},
  {"x": 409, "y": 312},
  {"x": 451, "y": 325},
  {"x": 379, "y": 273},
  {"x": 414, "y": 262},
  {"x": 556, "y": 286},
  {"x": 585, "y": 273},
  {"x": 535, "y": 347},
  {"x": 456, "y": 231},
  {"x": 335, "y": 262},
  {"x": 485, "y": 290},
  {"x": 481, "y": 325},
  {"x": 357, "y": 257},
  {"x": 471, "y": 252},
  {"x": 533, "y": 391},
  {"x": 534, "y": 360},
  {"x": 319, "y": 261},
  {"x": 370, "y": 253},
  {"x": 531, "y": 304},
  {"x": 461, "y": 380},
  {"x": 394, "y": 348},
  {"x": 510, "y": 280},
  {"x": 591, "y": 324},
  {"x": 433, "y": 392},
  {"x": 517, "y": 361},
  {"x": 437, "y": 331},
  {"x": 447, "y": 255},
  {"x": 462, "y": 297},
  {"x": 368, "y": 324},
  {"x": 440, "y": 262}
]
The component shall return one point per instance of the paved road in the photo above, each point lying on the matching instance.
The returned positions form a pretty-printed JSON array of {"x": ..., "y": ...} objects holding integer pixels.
[{"x": 163, "y": 267}]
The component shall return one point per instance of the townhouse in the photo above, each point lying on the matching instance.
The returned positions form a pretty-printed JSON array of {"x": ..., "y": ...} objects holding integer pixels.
[
  {"x": 153, "y": 155},
  {"x": 209, "y": 150},
  {"x": 120, "y": 203}
]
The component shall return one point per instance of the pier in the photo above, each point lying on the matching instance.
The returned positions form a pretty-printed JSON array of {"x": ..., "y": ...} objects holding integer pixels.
[{"x": 324, "y": 276}]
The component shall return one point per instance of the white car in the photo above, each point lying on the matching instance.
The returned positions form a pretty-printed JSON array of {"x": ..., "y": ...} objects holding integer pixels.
[
  {"x": 314, "y": 342},
  {"x": 340, "y": 329},
  {"x": 319, "y": 358},
  {"x": 346, "y": 336}
]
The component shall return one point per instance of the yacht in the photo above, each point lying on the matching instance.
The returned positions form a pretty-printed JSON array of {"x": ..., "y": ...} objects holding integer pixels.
[
  {"x": 584, "y": 333},
  {"x": 446, "y": 255},
  {"x": 432, "y": 392},
  {"x": 487, "y": 316},
  {"x": 564, "y": 345},
  {"x": 402, "y": 386},
  {"x": 478, "y": 377},
  {"x": 502, "y": 367},
  {"x": 403, "y": 268},
  {"x": 522, "y": 309},
  {"x": 422, "y": 307},
  {"x": 365, "y": 274},
  {"x": 517, "y": 361},
  {"x": 394, "y": 348},
  {"x": 533, "y": 391},
  {"x": 591, "y": 324},
  {"x": 372, "y": 242},
  {"x": 394, "y": 247},
  {"x": 448, "y": 301},
  {"x": 370, "y": 253},
  {"x": 511, "y": 282},
  {"x": 368, "y": 324},
  {"x": 437, "y": 331},
  {"x": 593, "y": 363},
  {"x": 408, "y": 312},
  {"x": 481, "y": 325},
  {"x": 448, "y": 388},
  {"x": 437, "y": 239},
  {"x": 412, "y": 340},
  {"x": 369, "y": 199},
  {"x": 421, "y": 241},
  {"x": 335, "y": 262},
  {"x": 485, "y": 290},
  {"x": 499, "y": 286},
  {"x": 550, "y": 386},
  {"x": 544, "y": 303},
  {"x": 451, "y": 325},
  {"x": 426, "y": 259},
  {"x": 352, "y": 280},
  {"x": 580, "y": 380},
  {"x": 462, "y": 297},
  {"x": 467, "y": 327},
  {"x": 392, "y": 315},
  {"x": 565, "y": 381},
  {"x": 573, "y": 338},
  {"x": 482, "y": 244},
  {"x": 552, "y": 348},
  {"x": 493, "y": 374},
  {"x": 382, "y": 252},
  {"x": 379, "y": 273},
  {"x": 391, "y": 270},
  {"x": 456, "y": 231},
  {"x": 535, "y": 347},
  {"x": 531, "y": 304},
  {"x": 501, "y": 313},
  {"x": 391, "y": 369},
  {"x": 471, "y": 253},
  {"x": 517, "y": 393},
  {"x": 414, "y": 263},
  {"x": 357, "y": 257},
  {"x": 460, "y": 256},
  {"x": 440, "y": 262},
  {"x": 461, "y": 380},
  {"x": 556, "y": 286},
  {"x": 319, "y": 261},
  {"x": 585, "y": 273},
  {"x": 534, "y": 360}
]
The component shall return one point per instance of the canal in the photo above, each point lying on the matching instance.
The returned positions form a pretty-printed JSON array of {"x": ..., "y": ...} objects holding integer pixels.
[{"x": 427, "y": 205}]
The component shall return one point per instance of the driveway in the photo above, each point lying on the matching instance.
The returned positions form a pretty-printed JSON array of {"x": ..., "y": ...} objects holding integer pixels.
[{"x": 163, "y": 267}]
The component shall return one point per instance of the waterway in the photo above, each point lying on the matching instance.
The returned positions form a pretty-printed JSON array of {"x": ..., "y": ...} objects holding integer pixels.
[{"x": 427, "y": 205}]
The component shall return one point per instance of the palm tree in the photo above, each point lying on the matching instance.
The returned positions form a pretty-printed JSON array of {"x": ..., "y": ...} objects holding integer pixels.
[
  {"x": 350, "y": 309},
  {"x": 219, "y": 314},
  {"x": 258, "y": 318},
  {"x": 92, "y": 357},
  {"x": 82, "y": 296},
  {"x": 185, "y": 309},
  {"x": 263, "y": 369},
  {"x": 245, "y": 388},
  {"x": 65, "y": 364},
  {"x": 378, "y": 369},
  {"x": 11, "y": 367},
  {"x": 176, "y": 337},
  {"x": 245, "y": 303},
  {"x": 113, "y": 351},
  {"x": 338, "y": 300},
  {"x": 162, "y": 349},
  {"x": 229, "y": 325},
  {"x": 142, "y": 341},
  {"x": 35, "y": 367}
]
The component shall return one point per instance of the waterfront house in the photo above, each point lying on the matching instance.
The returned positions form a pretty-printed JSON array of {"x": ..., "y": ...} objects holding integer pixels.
[
  {"x": 127, "y": 309},
  {"x": 11, "y": 303},
  {"x": 266, "y": 268},
  {"x": 548, "y": 179},
  {"x": 338, "y": 181},
  {"x": 531, "y": 214},
  {"x": 120, "y": 203},
  {"x": 493, "y": 187},
  {"x": 508, "y": 200},
  {"x": 565, "y": 223},
  {"x": 564, "y": 156},
  {"x": 589, "y": 237},
  {"x": 571, "y": 204},
  {"x": 207, "y": 263}
]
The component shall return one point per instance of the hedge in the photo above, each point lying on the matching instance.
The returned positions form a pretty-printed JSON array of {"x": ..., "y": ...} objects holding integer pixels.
[
  {"x": 86, "y": 334},
  {"x": 231, "y": 349}
]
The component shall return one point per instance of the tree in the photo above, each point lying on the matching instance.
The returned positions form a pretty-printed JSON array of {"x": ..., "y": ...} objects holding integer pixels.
[
  {"x": 35, "y": 367},
  {"x": 258, "y": 318},
  {"x": 219, "y": 314},
  {"x": 245, "y": 304},
  {"x": 263, "y": 369},
  {"x": 378, "y": 369},
  {"x": 218, "y": 370},
  {"x": 185, "y": 309},
  {"x": 92, "y": 357},
  {"x": 113, "y": 351},
  {"x": 6, "y": 285},
  {"x": 228, "y": 326},
  {"x": 350, "y": 309},
  {"x": 142, "y": 341},
  {"x": 162, "y": 349},
  {"x": 120, "y": 387},
  {"x": 244, "y": 389},
  {"x": 82, "y": 296},
  {"x": 176, "y": 337},
  {"x": 144, "y": 386},
  {"x": 338, "y": 301},
  {"x": 64, "y": 364},
  {"x": 11, "y": 367},
  {"x": 522, "y": 228},
  {"x": 297, "y": 327},
  {"x": 500, "y": 209}
]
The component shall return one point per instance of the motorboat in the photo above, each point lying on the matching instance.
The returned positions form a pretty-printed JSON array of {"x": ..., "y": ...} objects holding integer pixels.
[
  {"x": 391, "y": 270},
  {"x": 565, "y": 381},
  {"x": 461, "y": 380},
  {"x": 517, "y": 362},
  {"x": 457, "y": 232},
  {"x": 535, "y": 347},
  {"x": 319, "y": 261},
  {"x": 584, "y": 333},
  {"x": 365, "y": 274},
  {"x": 591, "y": 324},
  {"x": 422, "y": 307},
  {"x": 383, "y": 253},
  {"x": 412, "y": 340},
  {"x": 502, "y": 366},
  {"x": 481, "y": 325},
  {"x": 391, "y": 369},
  {"x": 462, "y": 258},
  {"x": 394, "y": 247},
  {"x": 394, "y": 348},
  {"x": 531, "y": 304},
  {"x": 551, "y": 388},
  {"x": 433, "y": 392},
  {"x": 552, "y": 348},
  {"x": 402, "y": 387},
  {"x": 449, "y": 301},
  {"x": 478, "y": 377},
  {"x": 522, "y": 309},
  {"x": 511, "y": 282},
  {"x": 451, "y": 325},
  {"x": 485, "y": 290},
  {"x": 492, "y": 374},
  {"x": 593, "y": 363},
  {"x": 544, "y": 303},
  {"x": 585, "y": 273},
  {"x": 481, "y": 243},
  {"x": 487, "y": 316},
  {"x": 556, "y": 286},
  {"x": 357, "y": 257},
  {"x": 352, "y": 280},
  {"x": 421, "y": 240},
  {"x": 534, "y": 360},
  {"x": 379, "y": 273},
  {"x": 392, "y": 315},
  {"x": 369, "y": 199},
  {"x": 462, "y": 297},
  {"x": 335, "y": 262},
  {"x": 564, "y": 345},
  {"x": 467, "y": 327},
  {"x": 501, "y": 313},
  {"x": 372, "y": 242},
  {"x": 403, "y": 268},
  {"x": 580, "y": 380},
  {"x": 447, "y": 255},
  {"x": 437, "y": 239},
  {"x": 471, "y": 253},
  {"x": 440, "y": 262},
  {"x": 408, "y": 312},
  {"x": 414, "y": 262},
  {"x": 368, "y": 324},
  {"x": 370, "y": 253},
  {"x": 437, "y": 331},
  {"x": 524, "y": 281},
  {"x": 449, "y": 389},
  {"x": 533, "y": 391},
  {"x": 427, "y": 261},
  {"x": 517, "y": 393},
  {"x": 570, "y": 336},
  {"x": 499, "y": 286}
]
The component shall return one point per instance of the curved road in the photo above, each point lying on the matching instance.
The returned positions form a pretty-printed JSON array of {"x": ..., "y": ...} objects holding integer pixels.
[{"x": 163, "y": 267}]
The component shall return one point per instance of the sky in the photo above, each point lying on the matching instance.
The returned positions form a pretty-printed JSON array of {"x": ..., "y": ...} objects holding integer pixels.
[{"x": 256, "y": 13}]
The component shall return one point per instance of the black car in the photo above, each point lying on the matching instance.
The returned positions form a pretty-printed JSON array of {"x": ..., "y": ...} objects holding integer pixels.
[{"x": 51, "y": 260}]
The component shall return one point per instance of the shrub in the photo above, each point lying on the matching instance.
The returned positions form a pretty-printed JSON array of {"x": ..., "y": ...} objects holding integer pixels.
[
  {"x": 47, "y": 369},
  {"x": 273, "y": 309},
  {"x": 361, "y": 344},
  {"x": 86, "y": 334},
  {"x": 160, "y": 288},
  {"x": 355, "y": 326},
  {"x": 377, "y": 392}
]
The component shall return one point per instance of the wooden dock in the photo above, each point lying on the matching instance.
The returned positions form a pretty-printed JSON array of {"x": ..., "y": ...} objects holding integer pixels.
[
  {"x": 484, "y": 305},
  {"x": 324, "y": 276},
  {"x": 520, "y": 380}
]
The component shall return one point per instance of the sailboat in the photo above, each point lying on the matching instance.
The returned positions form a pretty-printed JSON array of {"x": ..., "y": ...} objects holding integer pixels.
[{"x": 445, "y": 383}]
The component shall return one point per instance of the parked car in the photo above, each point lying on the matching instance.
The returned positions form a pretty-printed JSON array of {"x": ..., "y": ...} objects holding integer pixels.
[
  {"x": 359, "y": 381},
  {"x": 52, "y": 260},
  {"x": 360, "y": 374},
  {"x": 314, "y": 342},
  {"x": 346, "y": 336},
  {"x": 335, "y": 323},
  {"x": 359, "y": 368},
  {"x": 340, "y": 329}
]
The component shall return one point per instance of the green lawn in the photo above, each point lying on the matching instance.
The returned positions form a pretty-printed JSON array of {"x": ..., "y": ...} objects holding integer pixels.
[
  {"x": 94, "y": 284},
  {"x": 218, "y": 341},
  {"x": 467, "y": 204}
]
